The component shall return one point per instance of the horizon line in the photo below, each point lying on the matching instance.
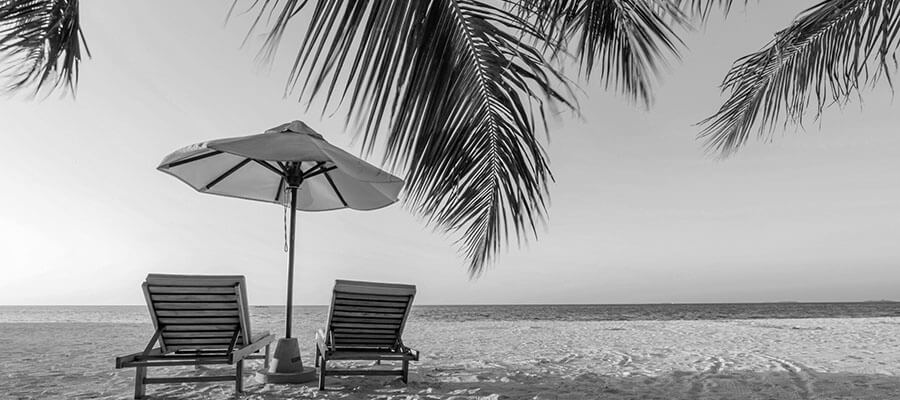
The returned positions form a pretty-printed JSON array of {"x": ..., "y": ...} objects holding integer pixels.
[{"x": 502, "y": 304}]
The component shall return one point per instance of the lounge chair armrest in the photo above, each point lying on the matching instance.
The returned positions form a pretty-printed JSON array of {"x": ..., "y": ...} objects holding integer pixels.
[
  {"x": 123, "y": 361},
  {"x": 320, "y": 341},
  {"x": 260, "y": 336},
  {"x": 408, "y": 350},
  {"x": 259, "y": 342}
]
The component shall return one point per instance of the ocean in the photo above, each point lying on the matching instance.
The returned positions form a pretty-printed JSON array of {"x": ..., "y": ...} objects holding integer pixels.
[{"x": 450, "y": 313}]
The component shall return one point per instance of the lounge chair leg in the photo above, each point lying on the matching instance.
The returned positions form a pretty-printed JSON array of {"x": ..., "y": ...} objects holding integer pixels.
[
  {"x": 322, "y": 363},
  {"x": 268, "y": 356},
  {"x": 405, "y": 371},
  {"x": 139, "y": 376},
  {"x": 239, "y": 377}
]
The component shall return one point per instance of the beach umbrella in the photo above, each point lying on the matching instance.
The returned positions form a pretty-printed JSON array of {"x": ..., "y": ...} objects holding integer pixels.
[{"x": 291, "y": 165}]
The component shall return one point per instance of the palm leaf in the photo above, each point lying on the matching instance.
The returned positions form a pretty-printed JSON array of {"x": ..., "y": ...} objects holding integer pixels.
[
  {"x": 627, "y": 42},
  {"x": 40, "y": 44},
  {"x": 631, "y": 40},
  {"x": 703, "y": 8},
  {"x": 454, "y": 93},
  {"x": 824, "y": 57}
]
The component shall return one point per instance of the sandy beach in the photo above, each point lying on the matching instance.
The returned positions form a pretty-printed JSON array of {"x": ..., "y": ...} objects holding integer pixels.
[{"x": 727, "y": 359}]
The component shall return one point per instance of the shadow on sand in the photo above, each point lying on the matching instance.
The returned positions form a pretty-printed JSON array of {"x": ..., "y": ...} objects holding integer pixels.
[{"x": 799, "y": 383}]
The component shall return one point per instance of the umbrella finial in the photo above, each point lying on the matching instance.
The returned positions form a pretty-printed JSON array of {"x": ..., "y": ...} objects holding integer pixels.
[{"x": 295, "y": 126}]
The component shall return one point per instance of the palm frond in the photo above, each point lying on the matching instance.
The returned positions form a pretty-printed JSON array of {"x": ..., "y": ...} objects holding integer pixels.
[
  {"x": 630, "y": 39},
  {"x": 702, "y": 9},
  {"x": 456, "y": 97},
  {"x": 40, "y": 45},
  {"x": 626, "y": 42},
  {"x": 824, "y": 57}
]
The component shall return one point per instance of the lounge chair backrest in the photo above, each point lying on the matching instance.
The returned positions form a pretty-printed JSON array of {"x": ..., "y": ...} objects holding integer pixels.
[
  {"x": 368, "y": 315},
  {"x": 198, "y": 312}
]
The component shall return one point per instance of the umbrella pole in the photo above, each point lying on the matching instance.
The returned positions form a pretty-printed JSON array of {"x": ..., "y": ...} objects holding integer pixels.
[
  {"x": 290, "y": 288},
  {"x": 286, "y": 365}
]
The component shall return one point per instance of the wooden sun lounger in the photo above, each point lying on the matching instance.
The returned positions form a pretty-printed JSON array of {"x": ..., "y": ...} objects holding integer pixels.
[
  {"x": 198, "y": 320},
  {"x": 365, "y": 322}
]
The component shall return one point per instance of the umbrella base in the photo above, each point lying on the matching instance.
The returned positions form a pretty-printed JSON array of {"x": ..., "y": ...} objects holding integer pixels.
[
  {"x": 307, "y": 374},
  {"x": 286, "y": 365}
]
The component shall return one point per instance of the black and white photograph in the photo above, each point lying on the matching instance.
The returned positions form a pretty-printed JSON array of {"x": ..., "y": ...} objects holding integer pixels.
[{"x": 450, "y": 199}]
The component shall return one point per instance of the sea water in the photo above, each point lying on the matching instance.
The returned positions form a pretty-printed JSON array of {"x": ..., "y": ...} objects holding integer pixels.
[{"x": 449, "y": 313}]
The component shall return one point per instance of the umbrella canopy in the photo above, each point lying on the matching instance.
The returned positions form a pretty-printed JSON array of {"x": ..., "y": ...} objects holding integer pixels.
[
  {"x": 291, "y": 164},
  {"x": 262, "y": 167}
]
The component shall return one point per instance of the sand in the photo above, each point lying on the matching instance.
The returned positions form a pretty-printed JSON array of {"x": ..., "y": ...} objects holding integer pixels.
[{"x": 731, "y": 359}]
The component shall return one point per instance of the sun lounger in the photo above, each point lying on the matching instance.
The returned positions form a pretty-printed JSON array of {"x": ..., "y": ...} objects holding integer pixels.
[
  {"x": 365, "y": 322},
  {"x": 198, "y": 320}
]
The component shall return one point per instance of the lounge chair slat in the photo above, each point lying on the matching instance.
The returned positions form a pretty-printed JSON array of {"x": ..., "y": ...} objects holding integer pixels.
[
  {"x": 200, "y": 340},
  {"x": 183, "y": 341},
  {"x": 370, "y": 336},
  {"x": 340, "y": 335},
  {"x": 203, "y": 352},
  {"x": 216, "y": 327},
  {"x": 376, "y": 372},
  {"x": 346, "y": 302},
  {"x": 184, "y": 379},
  {"x": 195, "y": 280},
  {"x": 365, "y": 340},
  {"x": 381, "y": 345},
  {"x": 187, "y": 347},
  {"x": 195, "y": 334},
  {"x": 195, "y": 306},
  {"x": 362, "y": 355},
  {"x": 197, "y": 313},
  {"x": 339, "y": 330},
  {"x": 191, "y": 298},
  {"x": 365, "y": 314},
  {"x": 191, "y": 346},
  {"x": 218, "y": 354},
  {"x": 380, "y": 310},
  {"x": 370, "y": 297},
  {"x": 344, "y": 286},
  {"x": 361, "y": 325},
  {"x": 198, "y": 320},
  {"x": 154, "y": 289},
  {"x": 367, "y": 320},
  {"x": 370, "y": 342},
  {"x": 168, "y": 363}
]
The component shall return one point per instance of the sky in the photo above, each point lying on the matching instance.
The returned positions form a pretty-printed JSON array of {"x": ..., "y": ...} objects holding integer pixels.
[{"x": 639, "y": 212}]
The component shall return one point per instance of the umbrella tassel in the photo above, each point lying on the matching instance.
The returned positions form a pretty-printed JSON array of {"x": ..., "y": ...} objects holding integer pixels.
[{"x": 284, "y": 204}]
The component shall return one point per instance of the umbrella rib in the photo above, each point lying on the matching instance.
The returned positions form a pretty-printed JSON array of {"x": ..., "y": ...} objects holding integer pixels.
[
  {"x": 312, "y": 170},
  {"x": 270, "y": 167},
  {"x": 319, "y": 172},
  {"x": 227, "y": 173},
  {"x": 334, "y": 187},
  {"x": 192, "y": 159},
  {"x": 280, "y": 187}
]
